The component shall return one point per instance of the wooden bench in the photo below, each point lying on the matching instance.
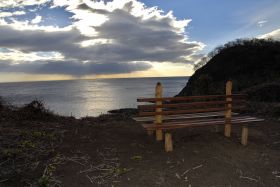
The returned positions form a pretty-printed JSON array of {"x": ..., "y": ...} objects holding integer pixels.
[{"x": 166, "y": 113}]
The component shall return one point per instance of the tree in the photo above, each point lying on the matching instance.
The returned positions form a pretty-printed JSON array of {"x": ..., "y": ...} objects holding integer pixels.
[{"x": 201, "y": 63}]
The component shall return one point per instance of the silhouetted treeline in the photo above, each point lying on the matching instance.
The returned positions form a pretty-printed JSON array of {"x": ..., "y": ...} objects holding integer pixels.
[
  {"x": 248, "y": 63},
  {"x": 236, "y": 43}
]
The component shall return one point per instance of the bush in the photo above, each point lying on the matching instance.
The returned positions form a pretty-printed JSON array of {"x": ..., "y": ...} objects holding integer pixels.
[
  {"x": 34, "y": 111},
  {"x": 1, "y": 103}
]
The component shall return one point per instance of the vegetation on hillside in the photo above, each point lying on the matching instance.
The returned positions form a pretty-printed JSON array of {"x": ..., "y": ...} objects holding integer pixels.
[
  {"x": 248, "y": 63},
  {"x": 35, "y": 110}
]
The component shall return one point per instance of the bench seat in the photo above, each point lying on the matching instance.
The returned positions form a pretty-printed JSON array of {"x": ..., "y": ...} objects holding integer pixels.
[
  {"x": 183, "y": 116},
  {"x": 200, "y": 122}
]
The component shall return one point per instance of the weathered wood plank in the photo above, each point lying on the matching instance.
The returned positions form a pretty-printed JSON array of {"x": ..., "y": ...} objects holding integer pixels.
[
  {"x": 171, "y": 112},
  {"x": 168, "y": 142},
  {"x": 179, "y": 105},
  {"x": 188, "y": 98},
  {"x": 244, "y": 136},
  {"x": 183, "y": 116},
  {"x": 187, "y": 125},
  {"x": 209, "y": 120}
]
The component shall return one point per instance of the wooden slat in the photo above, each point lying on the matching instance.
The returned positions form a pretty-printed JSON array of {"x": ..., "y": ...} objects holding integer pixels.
[
  {"x": 188, "y": 98},
  {"x": 186, "y": 111},
  {"x": 206, "y": 120},
  {"x": 199, "y": 124},
  {"x": 177, "y": 105},
  {"x": 203, "y": 120},
  {"x": 182, "y": 116}
]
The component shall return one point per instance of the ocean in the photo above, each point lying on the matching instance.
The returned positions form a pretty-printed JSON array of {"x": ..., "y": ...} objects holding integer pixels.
[{"x": 81, "y": 98}]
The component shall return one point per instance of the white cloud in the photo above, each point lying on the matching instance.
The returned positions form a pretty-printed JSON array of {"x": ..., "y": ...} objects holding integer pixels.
[
  {"x": 273, "y": 35},
  {"x": 5, "y": 14},
  {"x": 21, "y": 3},
  {"x": 261, "y": 23},
  {"x": 16, "y": 56},
  {"x": 25, "y": 25},
  {"x": 36, "y": 20},
  {"x": 9, "y": 14}
]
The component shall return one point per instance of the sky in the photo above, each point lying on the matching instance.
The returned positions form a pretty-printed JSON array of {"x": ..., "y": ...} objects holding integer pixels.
[{"x": 85, "y": 39}]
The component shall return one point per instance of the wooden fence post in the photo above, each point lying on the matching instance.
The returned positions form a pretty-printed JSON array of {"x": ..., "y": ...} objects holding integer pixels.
[
  {"x": 228, "y": 109},
  {"x": 168, "y": 142},
  {"x": 244, "y": 137},
  {"x": 158, "y": 118}
]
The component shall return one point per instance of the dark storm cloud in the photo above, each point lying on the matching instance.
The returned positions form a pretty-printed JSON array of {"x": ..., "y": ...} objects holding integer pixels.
[
  {"x": 73, "y": 67},
  {"x": 39, "y": 40}
]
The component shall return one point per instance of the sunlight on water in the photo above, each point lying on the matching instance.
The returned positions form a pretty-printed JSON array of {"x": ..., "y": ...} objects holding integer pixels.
[{"x": 89, "y": 97}]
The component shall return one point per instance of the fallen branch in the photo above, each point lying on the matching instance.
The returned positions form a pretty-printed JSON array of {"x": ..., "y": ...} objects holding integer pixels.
[
  {"x": 185, "y": 172},
  {"x": 249, "y": 178},
  {"x": 4, "y": 162},
  {"x": 89, "y": 179},
  {"x": 70, "y": 159},
  {"x": 177, "y": 175},
  {"x": 197, "y": 167},
  {"x": 4, "y": 180}
]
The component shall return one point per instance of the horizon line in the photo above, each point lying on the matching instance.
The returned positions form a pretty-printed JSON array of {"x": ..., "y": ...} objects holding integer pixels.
[{"x": 75, "y": 79}]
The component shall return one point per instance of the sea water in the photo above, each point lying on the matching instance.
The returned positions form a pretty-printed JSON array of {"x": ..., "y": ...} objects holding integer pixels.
[{"x": 81, "y": 98}]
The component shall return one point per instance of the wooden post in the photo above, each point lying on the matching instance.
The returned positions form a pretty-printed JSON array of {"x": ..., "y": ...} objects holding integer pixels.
[
  {"x": 228, "y": 109},
  {"x": 168, "y": 142},
  {"x": 158, "y": 118},
  {"x": 244, "y": 138}
]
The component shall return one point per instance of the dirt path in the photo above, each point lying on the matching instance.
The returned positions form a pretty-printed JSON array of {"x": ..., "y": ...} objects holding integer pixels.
[
  {"x": 114, "y": 151},
  {"x": 200, "y": 157}
]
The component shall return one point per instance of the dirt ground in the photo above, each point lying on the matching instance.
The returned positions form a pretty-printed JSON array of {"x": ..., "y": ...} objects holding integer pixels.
[{"x": 113, "y": 150}]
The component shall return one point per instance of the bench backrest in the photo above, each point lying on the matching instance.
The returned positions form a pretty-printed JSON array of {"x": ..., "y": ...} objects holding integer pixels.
[{"x": 159, "y": 105}]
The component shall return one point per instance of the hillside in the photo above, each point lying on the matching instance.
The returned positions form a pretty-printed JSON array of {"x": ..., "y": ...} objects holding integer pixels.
[{"x": 252, "y": 65}]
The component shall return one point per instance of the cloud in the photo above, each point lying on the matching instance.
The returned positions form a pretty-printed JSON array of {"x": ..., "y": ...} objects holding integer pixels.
[
  {"x": 273, "y": 35},
  {"x": 15, "y": 56},
  {"x": 40, "y": 40},
  {"x": 9, "y": 14},
  {"x": 120, "y": 36},
  {"x": 73, "y": 67},
  {"x": 261, "y": 23},
  {"x": 21, "y": 3},
  {"x": 36, "y": 20}
]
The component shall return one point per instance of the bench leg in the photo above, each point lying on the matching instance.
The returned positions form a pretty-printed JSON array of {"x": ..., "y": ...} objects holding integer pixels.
[
  {"x": 168, "y": 142},
  {"x": 227, "y": 130},
  {"x": 159, "y": 135},
  {"x": 244, "y": 138}
]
